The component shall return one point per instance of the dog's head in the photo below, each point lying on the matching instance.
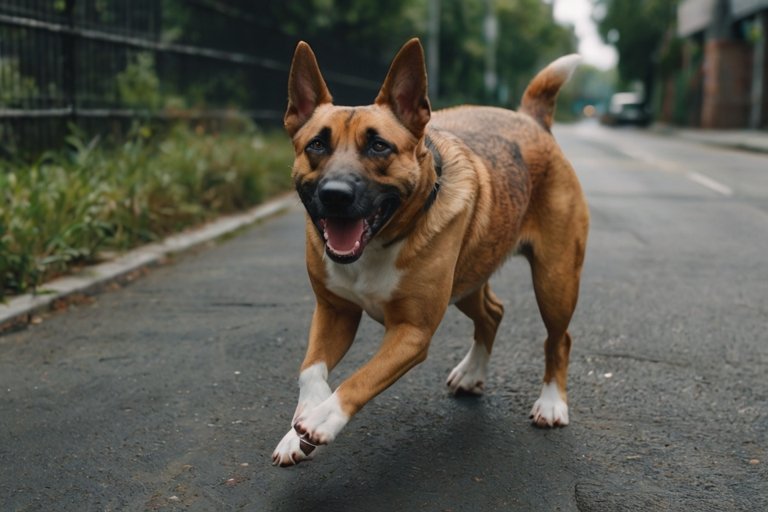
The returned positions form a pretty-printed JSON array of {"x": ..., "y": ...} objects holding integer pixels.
[{"x": 359, "y": 170}]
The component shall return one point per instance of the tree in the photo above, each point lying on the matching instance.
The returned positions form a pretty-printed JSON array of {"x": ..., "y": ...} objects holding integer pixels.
[
  {"x": 528, "y": 38},
  {"x": 378, "y": 27},
  {"x": 359, "y": 38},
  {"x": 636, "y": 28}
]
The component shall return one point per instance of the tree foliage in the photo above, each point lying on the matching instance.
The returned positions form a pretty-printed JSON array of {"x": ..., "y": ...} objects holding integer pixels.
[
  {"x": 636, "y": 28},
  {"x": 377, "y": 27},
  {"x": 360, "y": 37},
  {"x": 528, "y": 38}
]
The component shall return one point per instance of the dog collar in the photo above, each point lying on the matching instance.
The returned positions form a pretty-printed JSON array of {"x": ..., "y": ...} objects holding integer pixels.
[{"x": 438, "y": 162}]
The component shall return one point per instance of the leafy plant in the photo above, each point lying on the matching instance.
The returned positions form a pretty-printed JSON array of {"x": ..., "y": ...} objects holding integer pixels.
[
  {"x": 67, "y": 207},
  {"x": 138, "y": 84},
  {"x": 14, "y": 86}
]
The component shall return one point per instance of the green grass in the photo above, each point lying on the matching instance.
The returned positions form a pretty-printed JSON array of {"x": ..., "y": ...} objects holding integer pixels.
[{"x": 65, "y": 209}]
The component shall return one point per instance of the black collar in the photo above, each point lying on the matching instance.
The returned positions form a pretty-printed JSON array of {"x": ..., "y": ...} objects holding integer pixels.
[{"x": 438, "y": 162}]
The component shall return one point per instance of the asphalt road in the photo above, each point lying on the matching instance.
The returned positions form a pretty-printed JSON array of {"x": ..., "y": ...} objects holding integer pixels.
[{"x": 171, "y": 393}]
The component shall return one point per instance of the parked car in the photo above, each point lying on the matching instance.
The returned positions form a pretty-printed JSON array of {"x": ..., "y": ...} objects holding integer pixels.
[{"x": 626, "y": 108}]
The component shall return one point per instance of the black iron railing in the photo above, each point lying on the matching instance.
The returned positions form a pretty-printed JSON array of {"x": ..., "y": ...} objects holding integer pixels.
[{"x": 101, "y": 63}]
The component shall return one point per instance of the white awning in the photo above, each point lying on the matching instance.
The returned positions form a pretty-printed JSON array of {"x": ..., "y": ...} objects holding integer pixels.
[
  {"x": 694, "y": 16},
  {"x": 742, "y": 8}
]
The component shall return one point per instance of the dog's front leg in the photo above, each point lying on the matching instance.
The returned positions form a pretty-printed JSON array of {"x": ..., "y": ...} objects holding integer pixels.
[
  {"x": 404, "y": 346},
  {"x": 331, "y": 333}
]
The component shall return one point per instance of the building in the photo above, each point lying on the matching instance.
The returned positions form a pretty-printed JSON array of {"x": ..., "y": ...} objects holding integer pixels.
[{"x": 726, "y": 61}]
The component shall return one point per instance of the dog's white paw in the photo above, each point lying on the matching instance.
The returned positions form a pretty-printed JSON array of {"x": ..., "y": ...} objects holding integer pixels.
[
  {"x": 320, "y": 425},
  {"x": 313, "y": 388},
  {"x": 550, "y": 410},
  {"x": 469, "y": 375},
  {"x": 291, "y": 450}
]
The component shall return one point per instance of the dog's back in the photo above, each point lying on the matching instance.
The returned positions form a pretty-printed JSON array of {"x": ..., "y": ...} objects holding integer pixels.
[
  {"x": 519, "y": 143},
  {"x": 518, "y": 154}
]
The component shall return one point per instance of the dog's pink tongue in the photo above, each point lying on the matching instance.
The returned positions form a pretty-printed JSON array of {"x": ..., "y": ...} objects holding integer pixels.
[{"x": 342, "y": 234}]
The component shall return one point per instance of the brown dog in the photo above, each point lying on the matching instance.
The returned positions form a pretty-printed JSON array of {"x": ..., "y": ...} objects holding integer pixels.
[{"x": 409, "y": 212}]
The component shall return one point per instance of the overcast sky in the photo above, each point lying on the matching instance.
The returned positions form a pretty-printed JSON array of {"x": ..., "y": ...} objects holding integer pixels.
[{"x": 591, "y": 47}]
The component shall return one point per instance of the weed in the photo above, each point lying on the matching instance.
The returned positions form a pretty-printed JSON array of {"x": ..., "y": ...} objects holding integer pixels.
[{"x": 67, "y": 207}]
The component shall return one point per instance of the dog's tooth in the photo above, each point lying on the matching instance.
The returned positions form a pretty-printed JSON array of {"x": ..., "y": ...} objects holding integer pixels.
[
  {"x": 325, "y": 235},
  {"x": 357, "y": 245}
]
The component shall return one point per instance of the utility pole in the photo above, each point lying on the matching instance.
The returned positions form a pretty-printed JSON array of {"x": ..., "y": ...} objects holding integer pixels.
[
  {"x": 491, "y": 33},
  {"x": 433, "y": 48}
]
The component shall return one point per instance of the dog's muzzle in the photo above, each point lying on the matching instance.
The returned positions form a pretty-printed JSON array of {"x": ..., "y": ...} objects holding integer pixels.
[{"x": 348, "y": 211}]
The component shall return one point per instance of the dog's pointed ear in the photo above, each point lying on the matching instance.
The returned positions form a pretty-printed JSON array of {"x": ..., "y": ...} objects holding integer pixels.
[
  {"x": 405, "y": 88},
  {"x": 306, "y": 89}
]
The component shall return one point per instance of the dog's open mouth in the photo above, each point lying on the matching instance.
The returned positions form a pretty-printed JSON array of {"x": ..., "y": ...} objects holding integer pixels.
[{"x": 346, "y": 238}]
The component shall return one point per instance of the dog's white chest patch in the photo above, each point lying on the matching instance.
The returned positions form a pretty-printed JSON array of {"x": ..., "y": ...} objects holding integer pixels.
[{"x": 368, "y": 282}]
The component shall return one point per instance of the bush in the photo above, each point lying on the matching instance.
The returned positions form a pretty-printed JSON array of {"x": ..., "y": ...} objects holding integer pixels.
[{"x": 65, "y": 209}]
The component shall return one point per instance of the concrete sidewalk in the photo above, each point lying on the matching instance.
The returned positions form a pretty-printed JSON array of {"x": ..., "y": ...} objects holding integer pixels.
[
  {"x": 24, "y": 309},
  {"x": 746, "y": 140}
]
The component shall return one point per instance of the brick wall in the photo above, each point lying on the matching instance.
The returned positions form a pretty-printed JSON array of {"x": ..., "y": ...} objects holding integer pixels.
[
  {"x": 727, "y": 84},
  {"x": 764, "y": 118}
]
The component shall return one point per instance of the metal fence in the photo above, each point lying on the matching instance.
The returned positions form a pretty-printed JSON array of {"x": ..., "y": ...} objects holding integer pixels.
[{"x": 99, "y": 64}]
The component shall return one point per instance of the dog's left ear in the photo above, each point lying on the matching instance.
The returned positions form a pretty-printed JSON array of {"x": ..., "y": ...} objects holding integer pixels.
[
  {"x": 405, "y": 88},
  {"x": 306, "y": 89}
]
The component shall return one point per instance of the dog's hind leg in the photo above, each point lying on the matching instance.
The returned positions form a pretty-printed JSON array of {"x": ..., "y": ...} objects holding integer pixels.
[
  {"x": 485, "y": 311},
  {"x": 556, "y": 260}
]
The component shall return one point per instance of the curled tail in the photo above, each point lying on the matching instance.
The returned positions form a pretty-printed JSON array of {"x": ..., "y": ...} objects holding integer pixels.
[{"x": 540, "y": 95}]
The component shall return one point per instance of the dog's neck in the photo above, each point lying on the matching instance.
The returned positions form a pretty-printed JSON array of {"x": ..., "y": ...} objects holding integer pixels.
[{"x": 437, "y": 161}]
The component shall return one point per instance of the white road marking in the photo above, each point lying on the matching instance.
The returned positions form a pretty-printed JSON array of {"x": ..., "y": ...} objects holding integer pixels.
[
  {"x": 675, "y": 167},
  {"x": 709, "y": 183}
]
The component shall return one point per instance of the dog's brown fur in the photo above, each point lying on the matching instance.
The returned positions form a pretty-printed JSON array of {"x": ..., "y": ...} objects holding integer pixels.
[{"x": 505, "y": 188}]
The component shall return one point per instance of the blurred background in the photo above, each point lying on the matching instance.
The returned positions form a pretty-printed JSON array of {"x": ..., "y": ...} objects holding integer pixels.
[
  {"x": 124, "y": 120},
  {"x": 102, "y": 63}
]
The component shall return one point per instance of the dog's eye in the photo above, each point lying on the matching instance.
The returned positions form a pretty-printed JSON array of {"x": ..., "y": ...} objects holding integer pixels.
[
  {"x": 379, "y": 148},
  {"x": 316, "y": 146}
]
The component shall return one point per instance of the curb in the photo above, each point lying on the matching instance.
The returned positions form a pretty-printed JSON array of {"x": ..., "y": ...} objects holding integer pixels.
[
  {"x": 21, "y": 310},
  {"x": 740, "y": 140},
  {"x": 738, "y": 145}
]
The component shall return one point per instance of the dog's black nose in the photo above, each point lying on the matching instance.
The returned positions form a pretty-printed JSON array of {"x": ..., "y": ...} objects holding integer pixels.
[{"x": 336, "y": 194}]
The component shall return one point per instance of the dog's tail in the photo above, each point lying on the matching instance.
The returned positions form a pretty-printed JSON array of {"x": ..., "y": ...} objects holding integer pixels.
[{"x": 540, "y": 95}]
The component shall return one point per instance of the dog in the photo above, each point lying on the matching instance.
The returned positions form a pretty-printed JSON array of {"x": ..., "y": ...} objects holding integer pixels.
[{"x": 410, "y": 211}]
